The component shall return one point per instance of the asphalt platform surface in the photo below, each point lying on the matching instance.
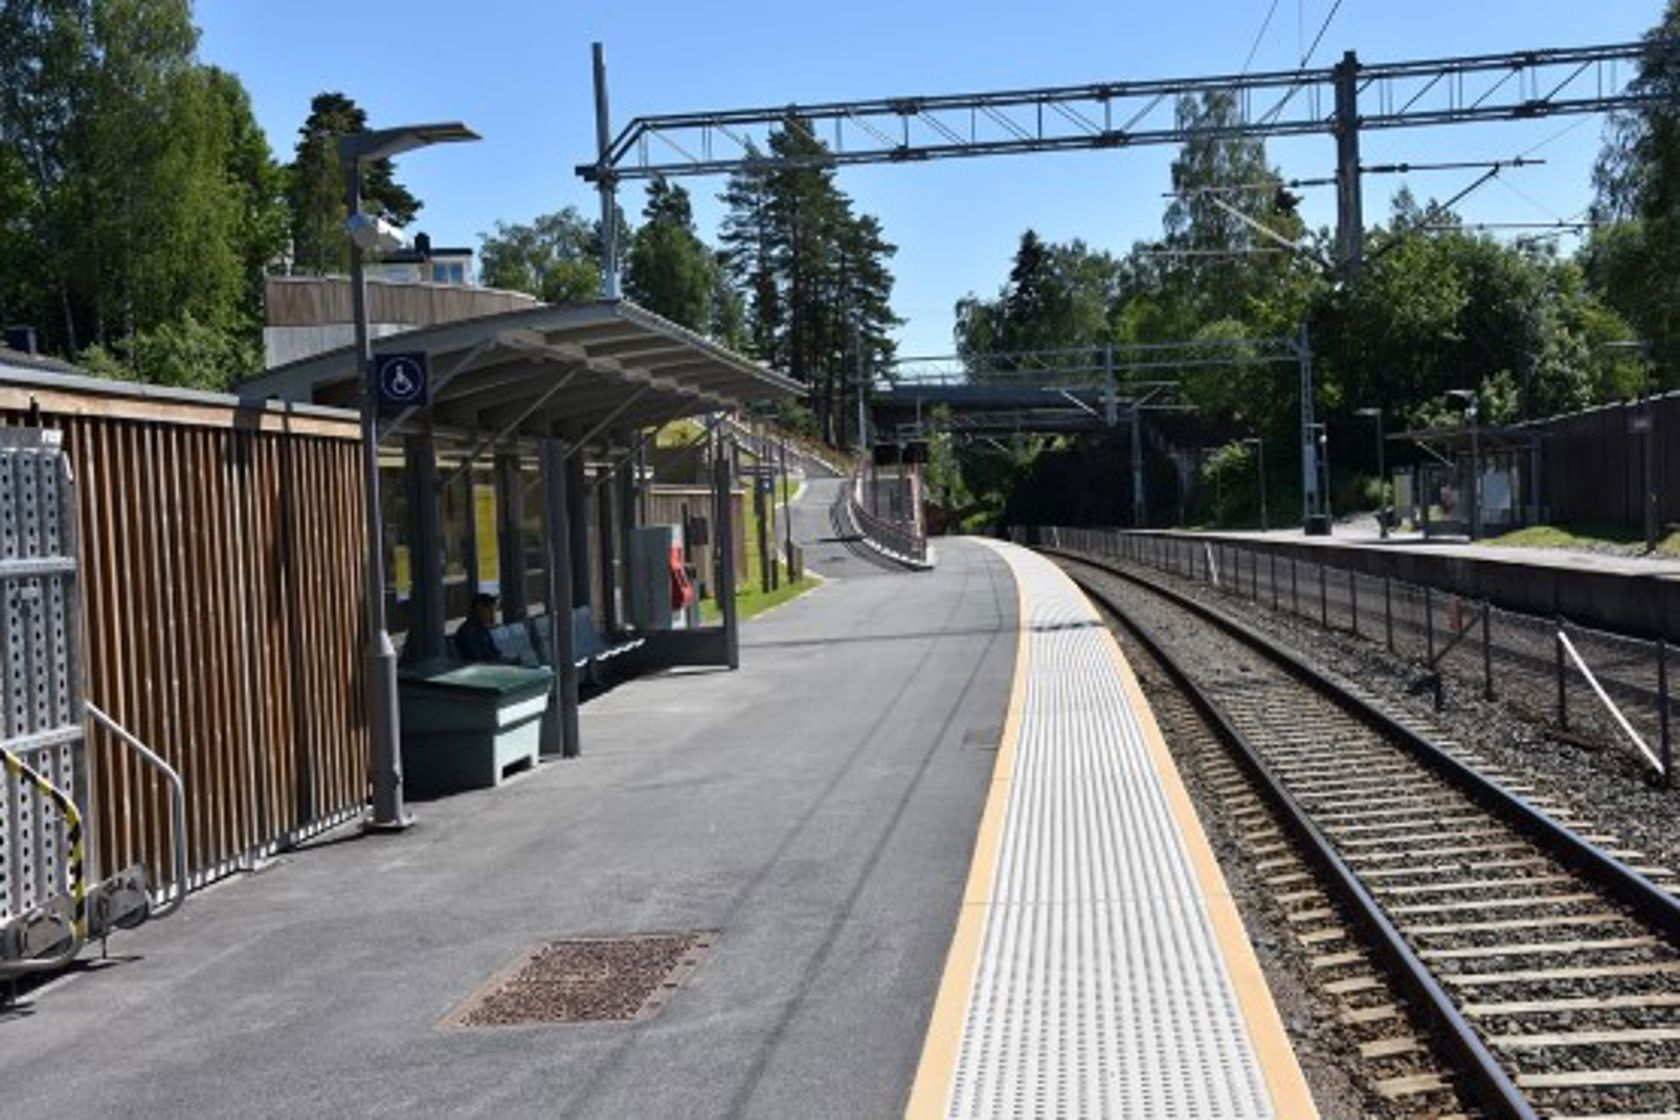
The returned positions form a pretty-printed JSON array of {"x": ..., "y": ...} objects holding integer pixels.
[{"x": 816, "y": 809}]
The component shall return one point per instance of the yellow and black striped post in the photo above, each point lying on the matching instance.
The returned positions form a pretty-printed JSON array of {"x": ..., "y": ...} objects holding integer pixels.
[{"x": 23, "y": 772}]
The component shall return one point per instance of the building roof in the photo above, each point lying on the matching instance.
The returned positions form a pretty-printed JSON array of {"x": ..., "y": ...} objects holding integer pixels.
[
  {"x": 12, "y": 361},
  {"x": 573, "y": 370},
  {"x": 59, "y": 387}
]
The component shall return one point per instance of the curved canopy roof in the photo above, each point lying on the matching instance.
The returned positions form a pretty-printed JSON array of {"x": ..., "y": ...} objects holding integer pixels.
[{"x": 572, "y": 370}]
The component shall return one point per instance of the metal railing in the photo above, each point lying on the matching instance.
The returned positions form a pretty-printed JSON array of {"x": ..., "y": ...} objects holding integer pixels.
[
  {"x": 165, "y": 900},
  {"x": 901, "y": 540},
  {"x": 1465, "y": 647}
]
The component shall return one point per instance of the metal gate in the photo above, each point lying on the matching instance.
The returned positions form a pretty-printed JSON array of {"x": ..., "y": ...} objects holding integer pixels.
[
  {"x": 51, "y": 899},
  {"x": 45, "y": 787}
]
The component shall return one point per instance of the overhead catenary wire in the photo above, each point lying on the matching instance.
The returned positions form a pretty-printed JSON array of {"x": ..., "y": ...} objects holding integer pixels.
[
  {"x": 1319, "y": 38},
  {"x": 1300, "y": 72},
  {"x": 1265, "y": 24}
]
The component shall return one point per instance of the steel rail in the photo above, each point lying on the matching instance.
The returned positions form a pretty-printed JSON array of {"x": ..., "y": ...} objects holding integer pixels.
[{"x": 1488, "y": 1082}]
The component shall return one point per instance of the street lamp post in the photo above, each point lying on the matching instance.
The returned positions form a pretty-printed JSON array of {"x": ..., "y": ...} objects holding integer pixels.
[
  {"x": 1474, "y": 492},
  {"x": 1382, "y": 472},
  {"x": 379, "y": 660}
]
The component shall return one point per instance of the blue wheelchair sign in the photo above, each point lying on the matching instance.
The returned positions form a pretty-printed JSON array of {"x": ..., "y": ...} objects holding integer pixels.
[{"x": 401, "y": 380}]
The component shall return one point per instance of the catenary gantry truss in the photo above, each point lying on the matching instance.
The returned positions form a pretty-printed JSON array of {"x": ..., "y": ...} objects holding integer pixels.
[
  {"x": 1515, "y": 86},
  {"x": 1341, "y": 100}
]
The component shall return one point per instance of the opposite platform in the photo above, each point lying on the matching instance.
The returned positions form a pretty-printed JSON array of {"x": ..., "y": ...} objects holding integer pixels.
[{"x": 1099, "y": 966}]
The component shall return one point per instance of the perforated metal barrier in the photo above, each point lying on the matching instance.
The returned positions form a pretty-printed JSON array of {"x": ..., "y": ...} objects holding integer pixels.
[{"x": 40, "y": 671}]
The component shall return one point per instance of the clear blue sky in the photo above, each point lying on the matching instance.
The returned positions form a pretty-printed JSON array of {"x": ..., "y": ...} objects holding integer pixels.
[{"x": 518, "y": 71}]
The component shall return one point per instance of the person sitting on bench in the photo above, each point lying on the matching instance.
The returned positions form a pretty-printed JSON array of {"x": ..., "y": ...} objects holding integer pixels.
[{"x": 473, "y": 638}]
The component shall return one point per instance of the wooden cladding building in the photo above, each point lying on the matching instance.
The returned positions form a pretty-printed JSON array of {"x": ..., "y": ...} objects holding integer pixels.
[{"x": 222, "y": 561}]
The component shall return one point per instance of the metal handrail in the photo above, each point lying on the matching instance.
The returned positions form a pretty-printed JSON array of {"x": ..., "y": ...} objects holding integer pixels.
[
  {"x": 893, "y": 537},
  {"x": 162, "y": 906},
  {"x": 78, "y": 869},
  {"x": 1610, "y": 705}
]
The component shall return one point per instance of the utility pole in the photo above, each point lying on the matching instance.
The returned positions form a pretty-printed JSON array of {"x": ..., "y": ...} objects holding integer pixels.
[
  {"x": 862, "y": 390},
  {"x": 1260, "y": 454},
  {"x": 1350, "y": 208},
  {"x": 1313, "y": 520},
  {"x": 1111, "y": 406},
  {"x": 1139, "y": 516},
  {"x": 606, "y": 181}
]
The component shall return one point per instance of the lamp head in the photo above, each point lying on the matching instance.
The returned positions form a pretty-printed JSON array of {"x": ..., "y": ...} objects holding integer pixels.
[
  {"x": 382, "y": 143},
  {"x": 373, "y": 235}
]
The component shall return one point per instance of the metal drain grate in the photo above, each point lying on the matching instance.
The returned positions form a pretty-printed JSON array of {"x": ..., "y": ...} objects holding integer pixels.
[{"x": 584, "y": 980}]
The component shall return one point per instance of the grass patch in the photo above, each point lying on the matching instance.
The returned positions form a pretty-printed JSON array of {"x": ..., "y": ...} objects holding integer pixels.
[
  {"x": 750, "y": 601},
  {"x": 750, "y": 596},
  {"x": 1592, "y": 536}
]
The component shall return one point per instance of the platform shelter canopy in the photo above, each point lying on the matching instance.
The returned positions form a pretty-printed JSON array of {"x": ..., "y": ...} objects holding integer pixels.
[{"x": 568, "y": 370}]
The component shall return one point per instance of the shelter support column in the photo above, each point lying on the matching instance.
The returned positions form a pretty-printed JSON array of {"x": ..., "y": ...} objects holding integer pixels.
[
  {"x": 426, "y": 613},
  {"x": 510, "y": 537},
  {"x": 724, "y": 550},
  {"x": 578, "y": 525},
  {"x": 560, "y": 734},
  {"x": 604, "y": 486},
  {"x": 624, "y": 493}
]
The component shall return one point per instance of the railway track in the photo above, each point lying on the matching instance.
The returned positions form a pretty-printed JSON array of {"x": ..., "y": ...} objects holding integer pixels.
[{"x": 1536, "y": 956}]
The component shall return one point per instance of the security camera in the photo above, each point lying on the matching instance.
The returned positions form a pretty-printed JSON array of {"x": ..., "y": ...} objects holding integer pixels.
[{"x": 373, "y": 235}]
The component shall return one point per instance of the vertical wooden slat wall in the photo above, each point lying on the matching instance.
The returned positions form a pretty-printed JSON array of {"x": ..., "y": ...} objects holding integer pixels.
[{"x": 222, "y": 561}]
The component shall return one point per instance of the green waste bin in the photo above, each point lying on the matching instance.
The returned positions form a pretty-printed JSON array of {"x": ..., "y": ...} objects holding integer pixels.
[{"x": 469, "y": 726}]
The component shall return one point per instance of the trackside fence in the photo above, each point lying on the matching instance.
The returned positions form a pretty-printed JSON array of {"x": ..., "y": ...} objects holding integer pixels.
[
  {"x": 1596, "y": 689},
  {"x": 901, "y": 538}
]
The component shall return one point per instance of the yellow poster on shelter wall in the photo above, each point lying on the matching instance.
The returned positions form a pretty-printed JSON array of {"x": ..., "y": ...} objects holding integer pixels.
[
  {"x": 401, "y": 574},
  {"x": 484, "y": 531}
]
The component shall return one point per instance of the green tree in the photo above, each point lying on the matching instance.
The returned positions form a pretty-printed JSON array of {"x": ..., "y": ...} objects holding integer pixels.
[
  {"x": 728, "y": 324},
  {"x": 670, "y": 271},
  {"x": 1225, "y": 264},
  {"x": 263, "y": 227},
  {"x": 1637, "y": 261},
  {"x": 814, "y": 272},
  {"x": 555, "y": 257},
  {"x": 137, "y": 191},
  {"x": 1057, "y": 297},
  {"x": 748, "y": 237},
  {"x": 184, "y": 353},
  {"x": 316, "y": 186},
  {"x": 43, "y": 82}
]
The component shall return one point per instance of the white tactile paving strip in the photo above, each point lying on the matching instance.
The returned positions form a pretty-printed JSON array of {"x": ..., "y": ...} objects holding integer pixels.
[{"x": 1100, "y": 989}]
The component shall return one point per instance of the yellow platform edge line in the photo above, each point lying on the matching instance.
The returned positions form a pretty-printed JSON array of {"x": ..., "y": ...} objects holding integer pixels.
[
  {"x": 930, "y": 1095},
  {"x": 1279, "y": 1063}
]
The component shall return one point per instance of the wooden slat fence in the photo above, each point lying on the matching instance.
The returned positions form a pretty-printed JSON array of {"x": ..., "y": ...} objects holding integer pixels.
[
  {"x": 222, "y": 587},
  {"x": 1595, "y": 465}
]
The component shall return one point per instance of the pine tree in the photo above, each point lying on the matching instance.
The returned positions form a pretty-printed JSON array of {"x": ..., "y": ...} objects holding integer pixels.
[
  {"x": 814, "y": 272},
  {"x": 670, "y": 271},
  {"x": 316, "y": 184},
  {"x": 747, "y": 237}
]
